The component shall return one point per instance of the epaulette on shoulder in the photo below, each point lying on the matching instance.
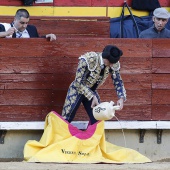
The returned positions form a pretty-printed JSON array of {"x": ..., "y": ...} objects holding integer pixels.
[{"x": 91, "y": 59}]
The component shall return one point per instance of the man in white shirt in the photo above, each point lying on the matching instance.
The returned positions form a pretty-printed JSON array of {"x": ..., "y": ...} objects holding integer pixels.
[{"x": 19, "y": 28}]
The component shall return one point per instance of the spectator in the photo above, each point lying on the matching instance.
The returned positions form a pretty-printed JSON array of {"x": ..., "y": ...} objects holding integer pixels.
[
  {"x": 92, "y": 71},
  {"x": 19, "y": 28},
  {"x": 158, "y": 30}
]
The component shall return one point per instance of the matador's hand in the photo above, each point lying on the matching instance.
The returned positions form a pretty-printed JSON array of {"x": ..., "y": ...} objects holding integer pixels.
[
  {"x": 94, "y": 102},
  {"x": 120, "y": 103}
]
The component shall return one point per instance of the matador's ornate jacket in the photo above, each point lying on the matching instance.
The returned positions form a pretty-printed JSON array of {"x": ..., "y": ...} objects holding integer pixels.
[{"x": 87, "y": 76}]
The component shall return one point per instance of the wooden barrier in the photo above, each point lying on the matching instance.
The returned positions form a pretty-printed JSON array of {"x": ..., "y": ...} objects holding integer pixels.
[
  {"x": 35, "y": 75},
  {"x": 67, "y": 3},
  {"x": 69, "y": 26},
  {"x": 161, "y": 80}
]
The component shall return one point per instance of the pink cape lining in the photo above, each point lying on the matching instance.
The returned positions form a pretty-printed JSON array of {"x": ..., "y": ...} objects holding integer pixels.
[{"x": 74, "y": 131}]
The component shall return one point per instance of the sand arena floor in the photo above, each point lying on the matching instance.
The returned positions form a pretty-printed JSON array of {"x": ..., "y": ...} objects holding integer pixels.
[{"x": 56, "y": 166}]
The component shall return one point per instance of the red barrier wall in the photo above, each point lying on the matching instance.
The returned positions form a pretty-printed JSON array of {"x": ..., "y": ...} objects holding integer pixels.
[
  {"x": 69, "y": 26},
  {"x": 88, "y": 3},
  {"x": 35, "y": 75}
]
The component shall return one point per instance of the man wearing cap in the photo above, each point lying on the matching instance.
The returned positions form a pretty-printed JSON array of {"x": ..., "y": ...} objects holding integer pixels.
[
  {"x": 93, "y": 69},
  {"x": 158, "y": 30}
]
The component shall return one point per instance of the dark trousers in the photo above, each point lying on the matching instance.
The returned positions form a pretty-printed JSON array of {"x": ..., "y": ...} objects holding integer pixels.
[{"x": 87, "y": 105}]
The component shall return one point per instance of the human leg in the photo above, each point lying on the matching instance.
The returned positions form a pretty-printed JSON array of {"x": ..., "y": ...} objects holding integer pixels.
[
  {"x": 89, "y": 110},
  {"x": 72, "y": 103}
]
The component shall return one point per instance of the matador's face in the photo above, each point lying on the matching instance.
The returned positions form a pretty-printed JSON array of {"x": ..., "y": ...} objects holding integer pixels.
[{"x": 107, "y": 63}]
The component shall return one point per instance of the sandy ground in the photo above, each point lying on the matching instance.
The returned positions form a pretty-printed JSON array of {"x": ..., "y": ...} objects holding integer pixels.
[{"x": 56, "y": 166}]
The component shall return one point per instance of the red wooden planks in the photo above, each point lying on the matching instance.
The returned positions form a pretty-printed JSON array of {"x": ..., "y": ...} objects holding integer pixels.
[
  {"x": 161, "y": 112},
  {"x": 88, "y": 3},
  {"x": 118, "y": 3},
  {"x": 69, "y": 26},
  {"x": 26, "y": 113},
  {"x": 131, "y": 81},
  {"x": 73, "y": 3},
  {"x": 139, "y": 112},
  {"x": 160, "y": 97},
  {"x": 161, "y": 65},
  {"x": 161, "y": 48},
  {"x": 20, "y": 3},
  {"x": 161, "y": 81},
  {"x": 35, "y": 81}
]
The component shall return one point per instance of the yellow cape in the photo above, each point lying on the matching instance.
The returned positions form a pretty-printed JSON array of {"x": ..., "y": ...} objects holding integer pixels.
[{"x": 63, "y": 143}]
